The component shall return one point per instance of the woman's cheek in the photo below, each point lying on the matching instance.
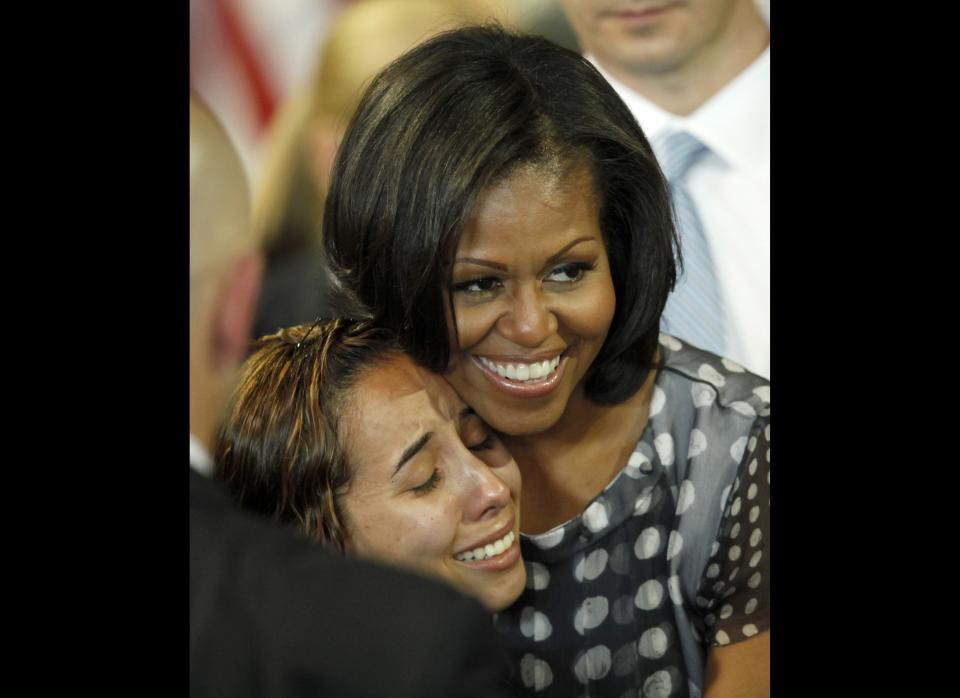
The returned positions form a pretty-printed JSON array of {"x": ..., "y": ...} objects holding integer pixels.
[{"x": 473, "y": 324}]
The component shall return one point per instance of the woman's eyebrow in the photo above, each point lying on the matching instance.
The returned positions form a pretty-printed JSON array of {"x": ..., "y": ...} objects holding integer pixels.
[
  {"x": 501, "y": 267},
  {"x": 554, "y": 257},
  {"x": 411, "y": 451},
  {"x": 480, "y": 262}
]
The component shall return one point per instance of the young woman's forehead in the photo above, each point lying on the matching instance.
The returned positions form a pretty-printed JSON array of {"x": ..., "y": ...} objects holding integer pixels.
[{"x": 398, "y": 381}]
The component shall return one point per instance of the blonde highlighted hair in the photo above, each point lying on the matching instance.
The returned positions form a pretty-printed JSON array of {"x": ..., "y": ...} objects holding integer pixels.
[{"x": 280, "y": 449}]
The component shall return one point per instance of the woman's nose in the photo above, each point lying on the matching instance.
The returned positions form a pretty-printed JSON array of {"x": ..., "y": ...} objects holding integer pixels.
[
  {"x": 486, "y": 494},
  {"x": 527, "y": 321}
]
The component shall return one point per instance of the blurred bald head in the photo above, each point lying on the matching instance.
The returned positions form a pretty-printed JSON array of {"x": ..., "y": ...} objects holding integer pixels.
[
  {"x": 219, "y": 198},
  {"x": 225, "y": 269}
]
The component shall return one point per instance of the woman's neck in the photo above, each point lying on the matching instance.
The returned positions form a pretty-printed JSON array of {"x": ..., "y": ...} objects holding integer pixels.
[{"x": 570, "y": 464}]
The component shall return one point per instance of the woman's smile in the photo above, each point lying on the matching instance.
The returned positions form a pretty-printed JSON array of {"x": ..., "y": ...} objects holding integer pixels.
[
  {"x": 524, "y": 379},
  {"x": 532, "y": 298}
]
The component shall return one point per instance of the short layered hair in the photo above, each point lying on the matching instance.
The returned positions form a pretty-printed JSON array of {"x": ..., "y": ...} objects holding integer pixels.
[
  {"x": 280, "y": 450},
  {"x": 451, "y": 118}
]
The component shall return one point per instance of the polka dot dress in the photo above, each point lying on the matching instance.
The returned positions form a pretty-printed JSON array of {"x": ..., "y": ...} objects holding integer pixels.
[{"x": 670, "y": 559}]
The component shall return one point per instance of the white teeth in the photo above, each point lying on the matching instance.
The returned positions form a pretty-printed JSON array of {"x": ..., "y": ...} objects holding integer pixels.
[
  {"x": 523, "y": 372},
  {"x": 489, "y": 550}
]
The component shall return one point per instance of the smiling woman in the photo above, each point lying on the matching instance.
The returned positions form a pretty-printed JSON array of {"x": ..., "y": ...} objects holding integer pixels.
[
  {"x": 335, "y": 431},
  {"x": 497, "y": 206}
]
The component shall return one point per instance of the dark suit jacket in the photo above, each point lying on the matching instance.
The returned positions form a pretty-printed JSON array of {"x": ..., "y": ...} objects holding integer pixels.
[{"x": 274, "y": 615}]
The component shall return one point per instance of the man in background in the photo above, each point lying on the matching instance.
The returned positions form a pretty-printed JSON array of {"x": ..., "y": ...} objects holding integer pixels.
[
  {"x": 271, "y": 614},
  {"x": 696, "y": 75}
]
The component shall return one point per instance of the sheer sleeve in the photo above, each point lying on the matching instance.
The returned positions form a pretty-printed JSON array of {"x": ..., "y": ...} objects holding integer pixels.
[{"x": 736, "y": 581}]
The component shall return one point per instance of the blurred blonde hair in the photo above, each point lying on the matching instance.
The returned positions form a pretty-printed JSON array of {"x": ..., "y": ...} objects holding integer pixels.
[
  {"x": 302, "y": 139},
  {"x": 281, "y": 451}
]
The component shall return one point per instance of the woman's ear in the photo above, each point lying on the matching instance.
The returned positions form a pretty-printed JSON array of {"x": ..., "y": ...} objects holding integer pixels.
[
  {"x": 323, "y": 136},
  {"x": 233, "y": 320}
]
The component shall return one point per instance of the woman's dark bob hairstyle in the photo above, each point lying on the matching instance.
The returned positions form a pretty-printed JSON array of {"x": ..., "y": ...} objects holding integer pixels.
[{"x": 460, "y": 113}]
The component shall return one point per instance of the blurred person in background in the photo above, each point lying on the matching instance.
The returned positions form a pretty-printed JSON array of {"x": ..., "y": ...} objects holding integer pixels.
[
  {"x": 302, "y": 141},
  {"x": 271, "y": 614},
  {"x": 696, "y": 75}
]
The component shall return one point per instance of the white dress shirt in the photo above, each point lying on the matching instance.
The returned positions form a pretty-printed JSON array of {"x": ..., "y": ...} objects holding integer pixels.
[
  {"x": 200, "y": 459},
  {"x": 730, "y": 186}
]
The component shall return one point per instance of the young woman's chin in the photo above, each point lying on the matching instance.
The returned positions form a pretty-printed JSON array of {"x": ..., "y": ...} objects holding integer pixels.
[
  {"x": 495, "y": 589},
  {"x": 497, "y": 594}
]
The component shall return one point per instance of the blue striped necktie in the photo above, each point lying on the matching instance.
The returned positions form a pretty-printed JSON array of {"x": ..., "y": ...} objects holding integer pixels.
[{"x": 694, "y": 310}]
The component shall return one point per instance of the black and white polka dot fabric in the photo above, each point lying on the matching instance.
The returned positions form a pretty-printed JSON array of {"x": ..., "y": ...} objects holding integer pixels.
[{"x": 672, "y": 557}]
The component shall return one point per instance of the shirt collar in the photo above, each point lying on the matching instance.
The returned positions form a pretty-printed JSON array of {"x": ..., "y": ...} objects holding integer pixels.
[
  {"x": 200, "y": 458},
  {"x": 734, "y": 123}
]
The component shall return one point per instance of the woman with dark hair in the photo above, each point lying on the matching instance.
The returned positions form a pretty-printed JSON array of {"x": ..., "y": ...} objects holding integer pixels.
[
  {"x": 334, "y": 431},
  {"x": 496, "y": 205}
]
